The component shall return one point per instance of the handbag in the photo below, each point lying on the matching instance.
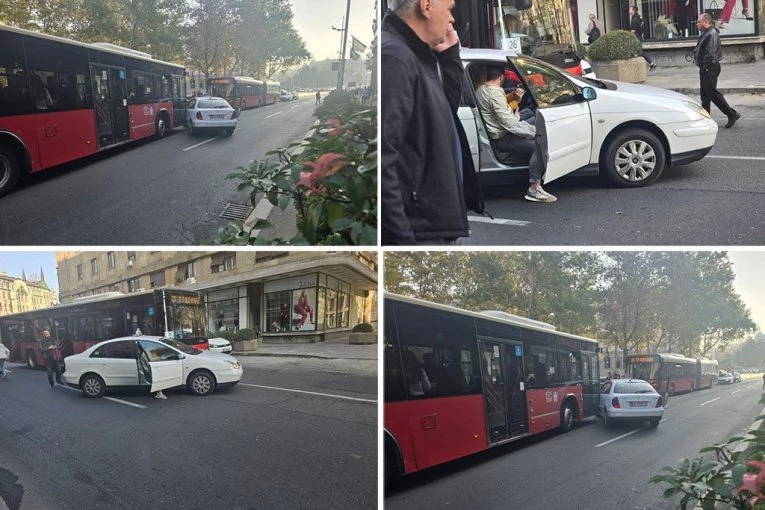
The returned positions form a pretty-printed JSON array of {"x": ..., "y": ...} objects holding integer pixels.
[{"x": 713, "y": 10}]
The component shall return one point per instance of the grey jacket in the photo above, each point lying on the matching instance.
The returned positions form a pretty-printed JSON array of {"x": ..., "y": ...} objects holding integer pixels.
[{"x": 708, "y": 49}]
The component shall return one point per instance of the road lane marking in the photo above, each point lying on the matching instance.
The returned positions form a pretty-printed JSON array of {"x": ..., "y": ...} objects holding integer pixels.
[
  {"x": 735, "y": 392},
  {"x": 309, "y": 393},
  {"x": 617, "y": 438},
  {"x": 294, "y": 106},
  {"x": 747, "y": 158},
  {"x": 201, "y": 143},
  {"x": 498, "y": 221},
  {"x": 119, "y": 401},
  {"x": 273, "y": 115},
  {"x": 709, "y": 401}
]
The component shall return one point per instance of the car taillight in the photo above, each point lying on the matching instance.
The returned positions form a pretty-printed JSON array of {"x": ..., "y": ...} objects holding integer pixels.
[
  {"x": 660, "y": 402},
  {"x": 199, "y": 115},
  {"x": 233, "y": 115},
  {"x": 615, "y": 403}
]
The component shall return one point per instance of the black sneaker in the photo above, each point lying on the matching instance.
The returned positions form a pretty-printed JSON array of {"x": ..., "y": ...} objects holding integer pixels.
[
  {"x": 652, "y": 66},
  {"x": 732, "y": 120}
]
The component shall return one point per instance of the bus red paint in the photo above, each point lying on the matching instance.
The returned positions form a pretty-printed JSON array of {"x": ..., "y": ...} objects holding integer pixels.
[{"x": 672, "y": 373}]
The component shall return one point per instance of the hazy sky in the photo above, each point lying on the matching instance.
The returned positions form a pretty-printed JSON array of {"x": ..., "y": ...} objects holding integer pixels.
[
  {"x": 750, "y": 282},
  {"x": 314, "y": 20},
  {"x": 14, "y": 262}
]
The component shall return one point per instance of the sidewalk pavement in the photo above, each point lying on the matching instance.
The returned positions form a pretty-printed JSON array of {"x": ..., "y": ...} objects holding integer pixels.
[
  {"x": 748, "y": 78},
  {"x": 321, "y": 350}
]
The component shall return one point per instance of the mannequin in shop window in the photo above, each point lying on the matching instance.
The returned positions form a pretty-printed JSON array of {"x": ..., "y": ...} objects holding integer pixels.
[{"x": 304, "y": 309}]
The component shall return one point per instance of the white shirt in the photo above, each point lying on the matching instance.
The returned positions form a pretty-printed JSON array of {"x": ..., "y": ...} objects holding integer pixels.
[{"x": 498, "y": 117}]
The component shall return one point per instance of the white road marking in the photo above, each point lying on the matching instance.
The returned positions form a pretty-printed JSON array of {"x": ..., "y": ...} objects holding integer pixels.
[
  {"x": 119, "y": 401},
  {"x": 617, "y": 438},
  {"x": 200, "y": 143},
  {"x": 733, "y": 393},
  {"x": 310, "y": 393},
  {"x": 273, "y": 115},
  {"x": 747, "y": 158},
  {"x": 498, "y": 221},
  {"x": 294, "y": 106},
  {"x": 709, "y": 401}
]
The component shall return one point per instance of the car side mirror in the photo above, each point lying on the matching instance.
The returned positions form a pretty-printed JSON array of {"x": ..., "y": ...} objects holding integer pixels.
[{"x": 588, "y": 93}]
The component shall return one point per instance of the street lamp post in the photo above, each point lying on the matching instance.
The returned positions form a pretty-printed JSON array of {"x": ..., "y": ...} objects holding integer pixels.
[{"x": 344, "y": 30}]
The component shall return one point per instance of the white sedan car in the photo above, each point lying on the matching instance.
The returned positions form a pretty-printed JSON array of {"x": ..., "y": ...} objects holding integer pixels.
[
  {"x": 724, "y": 377},
  {"x": 210, "y": 113},
  {"x": 150, "y": 362},
  {"x": 630, "y": 399},
  {"x": 630, "y": 133},
  {"x": 219, "y": 344}
]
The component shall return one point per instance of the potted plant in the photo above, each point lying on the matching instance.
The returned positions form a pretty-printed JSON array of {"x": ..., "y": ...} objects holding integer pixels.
[
  {"x": 664, "y": 28},
  {"x": 244, "y": 340},
  {"x": 363, "y": 333},
  {"x": 616, "y": 56}
]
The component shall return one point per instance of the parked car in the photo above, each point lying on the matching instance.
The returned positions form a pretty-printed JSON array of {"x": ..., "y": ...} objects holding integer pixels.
[
  {"x": 149, "y": 362},
  {"x": 219, "y": 344},
  {"x": 285, "y": 95},
  {"x": 630, "y": 399},
  {"x": 724, "y": 377},
  {"x": 627, "y": 132},
  {"x": 210, "y": 113}
]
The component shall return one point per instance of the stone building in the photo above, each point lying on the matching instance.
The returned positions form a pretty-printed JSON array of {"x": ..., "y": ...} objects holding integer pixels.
[
  {"x": 300, "y": 296},
  {"x": 24, "y": 294}
]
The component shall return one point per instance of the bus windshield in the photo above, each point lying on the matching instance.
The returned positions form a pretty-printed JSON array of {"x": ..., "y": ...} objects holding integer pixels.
[
  {"x": 220, "y": 89},
  {"x": 186, "y": 317},
  {"x": 643, "y": 370}
]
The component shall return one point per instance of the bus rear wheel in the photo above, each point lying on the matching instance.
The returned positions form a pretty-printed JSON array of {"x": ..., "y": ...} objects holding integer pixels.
[
  {"x": 567, "y": 417},
  {"x": 31, "y": 360},
  {"x": 10, "y": 169},
  {"x": 161, "y": 126}
]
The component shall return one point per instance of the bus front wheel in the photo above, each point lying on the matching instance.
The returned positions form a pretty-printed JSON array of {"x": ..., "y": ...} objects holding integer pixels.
[{"x": 10, "y": 169}]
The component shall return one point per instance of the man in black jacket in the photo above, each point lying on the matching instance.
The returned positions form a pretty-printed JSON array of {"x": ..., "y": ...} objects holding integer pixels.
[
  {"x": 707, "y": 56},
  {"x": 637, "y": 27},
  {"x": 428, "y": 177}
]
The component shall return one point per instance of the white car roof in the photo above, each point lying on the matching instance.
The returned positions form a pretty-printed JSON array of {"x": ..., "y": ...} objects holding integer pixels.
[{"x": 485, "y": 54}]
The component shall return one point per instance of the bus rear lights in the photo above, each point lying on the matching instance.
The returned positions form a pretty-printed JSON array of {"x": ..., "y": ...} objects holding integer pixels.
[
  {"x": 659, "y": 402},
  {"x": 615, "y": 403},
  {"x": 199, "y": 115}
]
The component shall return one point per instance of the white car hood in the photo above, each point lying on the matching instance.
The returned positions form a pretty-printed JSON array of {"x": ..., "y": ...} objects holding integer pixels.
[
  {"x": 644, "y": 90},
  {"x": 217, "y": 355}
]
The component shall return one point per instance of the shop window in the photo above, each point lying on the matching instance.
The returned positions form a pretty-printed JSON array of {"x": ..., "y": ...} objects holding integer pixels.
[
  {"x": 278, "y": 311},
  {"x": 224, "y": 314}
]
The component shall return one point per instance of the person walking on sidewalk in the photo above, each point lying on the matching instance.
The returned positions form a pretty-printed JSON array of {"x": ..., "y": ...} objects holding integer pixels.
[
  {"x": 707, "y": 56},
  {"x": 637, "y": 27}
]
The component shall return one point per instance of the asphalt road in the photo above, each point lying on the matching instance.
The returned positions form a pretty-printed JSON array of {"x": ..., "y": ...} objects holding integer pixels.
[
  {"x": 290, "y": 435},
  {"x": 716, "y": 201},
  {"x": 582, "y": 469},
  {"x": 156, "y": 192}
]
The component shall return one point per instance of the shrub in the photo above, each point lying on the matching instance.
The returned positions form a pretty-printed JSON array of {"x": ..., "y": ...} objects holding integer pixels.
[
  {"x": 363, "y": 327},
  {"x": 228, "y": 335},
  {"x": 330, "y": 178},
  {"x": 615, "y": 45},
  {"x": 244, "y": 334}
]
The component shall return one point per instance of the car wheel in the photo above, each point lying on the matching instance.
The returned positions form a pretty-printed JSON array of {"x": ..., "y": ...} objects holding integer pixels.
[
  {"x": 10, "y": 169},
  {"x": 634, "y": 158},
  {"x": 228, "y": 131},
  {"x": 201, "y": 383},
  {"x": 92, "y": 386},
  {"x": 654, "y": 422},
  {"x": 606, "y": 420},
  {"x": 31, "y": 360},
  {"x": 567, "y": 417},
  {"x": 190, "y": 126}
]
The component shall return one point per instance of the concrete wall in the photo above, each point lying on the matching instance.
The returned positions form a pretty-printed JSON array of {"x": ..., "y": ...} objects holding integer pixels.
[{"x": 673, "y": 53}]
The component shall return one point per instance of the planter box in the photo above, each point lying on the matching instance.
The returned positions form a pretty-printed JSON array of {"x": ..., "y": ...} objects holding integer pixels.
[
  {"x": 363, "y": 338},
  {"x": 633, "y": 70},
  {"x": 245, "y": 345}
]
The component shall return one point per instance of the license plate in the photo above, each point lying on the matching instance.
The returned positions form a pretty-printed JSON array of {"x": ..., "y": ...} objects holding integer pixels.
[
  {"x": 217, "y": 116},
  {"x": 638, "y": 404}
]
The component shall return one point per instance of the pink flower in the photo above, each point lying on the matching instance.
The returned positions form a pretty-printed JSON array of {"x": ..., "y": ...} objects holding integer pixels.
[
  {"x": 753, "y": 482},
  {"x": 335, "y": 123},
  {"x": 326, "y": 165}
]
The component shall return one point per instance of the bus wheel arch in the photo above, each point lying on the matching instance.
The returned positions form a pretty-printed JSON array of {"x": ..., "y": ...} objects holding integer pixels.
[
  {"x": 569, "y": 413},
  {"x": 162, "y": 124},
  {"x": 393, "y": 461},
  {"x": 13, "y": 159}
]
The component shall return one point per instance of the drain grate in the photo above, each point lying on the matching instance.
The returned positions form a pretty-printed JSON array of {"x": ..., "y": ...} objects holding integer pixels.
[{"x": 236, "y": 212}]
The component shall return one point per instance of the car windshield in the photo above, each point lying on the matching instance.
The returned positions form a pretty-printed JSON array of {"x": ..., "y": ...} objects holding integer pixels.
[
  {"x": 186, "y": 349},
  {"x": 212, "y": 103},
  {"x": 633, "y": 387}
]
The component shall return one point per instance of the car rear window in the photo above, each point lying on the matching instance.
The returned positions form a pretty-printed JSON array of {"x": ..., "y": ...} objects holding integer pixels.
[
  {"x": 633, "y": 387},
  {"x": 212, "y": 103}
]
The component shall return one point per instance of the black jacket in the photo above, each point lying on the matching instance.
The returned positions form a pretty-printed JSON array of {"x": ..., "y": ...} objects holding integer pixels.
[
  {"x": 708, "y": 49},
  {"x": 424, "y": 195},
  {"x": 635, "y": 26}
]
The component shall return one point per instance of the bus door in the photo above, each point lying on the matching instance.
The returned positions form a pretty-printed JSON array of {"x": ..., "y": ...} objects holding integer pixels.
[
  {"x": 516, "y": 389},
  {"x": 110, "y": 103},
  {"x": 494, "y": 391},
  {"x": 591, "y": 382},
  {"x": 179, "y": 100}
]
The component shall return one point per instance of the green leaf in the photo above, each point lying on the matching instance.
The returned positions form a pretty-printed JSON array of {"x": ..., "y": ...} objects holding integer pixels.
[
  {"x": 737, "y": 474},
  {"x": 671, "y": 492},
  {"x": 342, "y": 224},
  {"x": 663, "y": 478}
]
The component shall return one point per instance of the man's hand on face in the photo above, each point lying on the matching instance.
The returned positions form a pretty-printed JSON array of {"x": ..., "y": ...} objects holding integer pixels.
[{"x": 451, "y": 39}]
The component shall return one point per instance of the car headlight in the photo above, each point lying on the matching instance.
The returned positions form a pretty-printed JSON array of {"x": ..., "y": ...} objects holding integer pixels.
[
  {"x": 234, "y": 365},
  {"x": 697, "y": 108}
]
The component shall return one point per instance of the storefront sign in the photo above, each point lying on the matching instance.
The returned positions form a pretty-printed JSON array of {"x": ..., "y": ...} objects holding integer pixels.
[{"x": 297, "y": 282}]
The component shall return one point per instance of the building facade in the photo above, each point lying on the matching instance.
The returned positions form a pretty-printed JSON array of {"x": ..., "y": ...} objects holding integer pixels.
[
  {"x": 24, "y": 294},
  {"x": 284, "y": 296}
]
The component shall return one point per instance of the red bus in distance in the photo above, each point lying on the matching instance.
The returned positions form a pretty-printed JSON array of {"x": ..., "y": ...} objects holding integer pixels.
[
  {"x": 458, "y": 382},
  {"x": 672, "y": 373},
  {"x": 243, "y": 92},
  {"x": 61, "y": 100}
]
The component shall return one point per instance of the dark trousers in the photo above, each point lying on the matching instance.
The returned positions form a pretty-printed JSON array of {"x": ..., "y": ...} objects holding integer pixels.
[
  {"x": 522, "y": 146},
  {"x": 53, "y": 367},
  {"x": 709, "y": 94}
]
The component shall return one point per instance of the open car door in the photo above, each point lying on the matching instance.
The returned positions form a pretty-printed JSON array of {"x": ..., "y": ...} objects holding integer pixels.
[
  {"x": 161, "y": 364},
  {"x": 564, "y": 139}
]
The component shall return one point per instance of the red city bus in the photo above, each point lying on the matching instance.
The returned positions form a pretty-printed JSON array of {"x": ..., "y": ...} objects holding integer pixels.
[
  {"x": 672, "y": 373},
  {"x": 459, "y": 382},
  {"x": 74, "y": 327},
  {"x": 62, "y": 100},
  {"x": 241, "y": 92},
  {"x": 273, "y": 90}
]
